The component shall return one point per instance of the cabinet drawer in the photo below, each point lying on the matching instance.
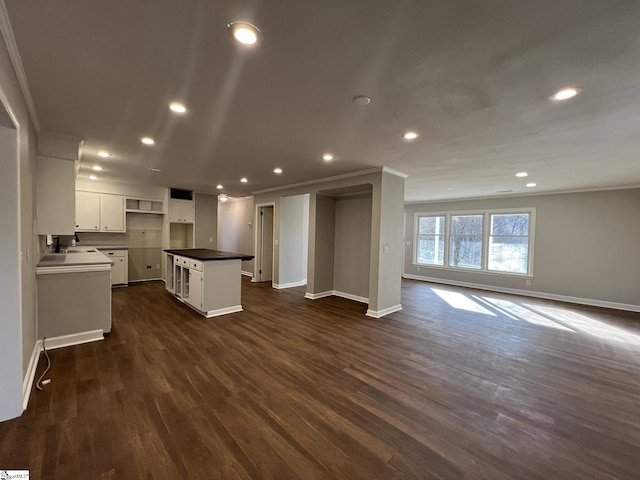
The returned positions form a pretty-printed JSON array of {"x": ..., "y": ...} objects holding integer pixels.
[
  {"x": 184, "y": 261},
  {"x": 195, "y": 265},
  {"x": 114, "y": 253}
]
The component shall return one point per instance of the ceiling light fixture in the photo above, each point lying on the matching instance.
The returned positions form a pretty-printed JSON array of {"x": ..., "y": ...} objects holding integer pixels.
[
  {"x": 245, "y": 33},
  {"x": 156, "y": 170},
  {"x": 104, "y": 154},
  {"x": 521, "y": 174},
  {"x": 219, "y": 187},
  {"x": 361, "y": 100},
  {"x": 277, "y": 171},
  {"x": 93, "y": 177},
  {"x": 530, "y": 185},
  {"x": 411, "y": 135},
  {"x": 97, "y": 168},
  {"x": 223, "y": 198},
  {"x": 244, "y": 180},
  {"x": 327, "y": 157},
  {"x": 566, "y": 93},
  {"x": 147, "y": 140},
  {"x": 177, "y": 107}
]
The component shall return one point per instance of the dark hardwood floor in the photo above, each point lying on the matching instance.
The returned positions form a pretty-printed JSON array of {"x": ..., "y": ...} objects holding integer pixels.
[{"x": 461, "y": 384}]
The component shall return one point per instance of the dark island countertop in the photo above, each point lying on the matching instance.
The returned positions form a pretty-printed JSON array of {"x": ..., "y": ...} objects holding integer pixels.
[{"x": 206, "y": 254}]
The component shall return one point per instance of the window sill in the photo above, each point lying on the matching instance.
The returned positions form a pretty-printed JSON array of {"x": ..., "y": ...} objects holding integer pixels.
[{"x": 471, "y": 270}]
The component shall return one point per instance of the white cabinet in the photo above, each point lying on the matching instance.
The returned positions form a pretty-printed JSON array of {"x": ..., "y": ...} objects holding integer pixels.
[
  {"x": 181, "y": 211},
  {"x": 97, "y": 212},
  {"x": 55, "y": 205},
  {"x": 120, "y": 269},
  {"x": 194, "y": 289}
]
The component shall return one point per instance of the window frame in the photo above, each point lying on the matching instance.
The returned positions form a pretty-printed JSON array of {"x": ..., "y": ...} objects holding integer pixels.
[{"x": 486, "y": 228}]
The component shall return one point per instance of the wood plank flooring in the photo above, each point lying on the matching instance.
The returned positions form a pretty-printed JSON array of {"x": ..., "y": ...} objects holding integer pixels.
[{"x": 461, "y": 384}]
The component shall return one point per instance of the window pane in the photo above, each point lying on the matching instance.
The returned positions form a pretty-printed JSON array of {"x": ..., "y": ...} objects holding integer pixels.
[
  {"x": 508, "y": 254},
  {"x": 510, "y": 224},
  {"x": 431, "y": 249},
  {"x": 431, "y": 225},
  {"x": 466, "y": 225},
  {"x": 466, "y": 251}
]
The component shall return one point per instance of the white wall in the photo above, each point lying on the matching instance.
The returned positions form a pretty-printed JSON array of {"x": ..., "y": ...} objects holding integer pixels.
[
  {"x": 19, "y": 252},
  {"x": 586, "y": 247},
  {"x": 235, "y": 228},
  {"x": 294, "y": 240}
]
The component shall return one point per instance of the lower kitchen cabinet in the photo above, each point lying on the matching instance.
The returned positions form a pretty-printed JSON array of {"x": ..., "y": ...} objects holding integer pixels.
[{"x": 120, "y": 269}]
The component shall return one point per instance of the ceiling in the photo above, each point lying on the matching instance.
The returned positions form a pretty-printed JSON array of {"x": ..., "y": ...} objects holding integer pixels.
[{"x": 473, "y": 78}]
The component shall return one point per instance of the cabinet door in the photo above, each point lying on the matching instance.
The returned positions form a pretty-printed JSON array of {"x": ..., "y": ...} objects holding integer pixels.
[
  {"x": 117, "y": 271},
  {"x": 55, "y": 196},
  {"x": 175, "y": 211},
  {"x": 188, "y": 212},
  {"x": 195, "y": 289},
  {"x": 87, "y": 212},
  {"x": 112, "y": 213}
]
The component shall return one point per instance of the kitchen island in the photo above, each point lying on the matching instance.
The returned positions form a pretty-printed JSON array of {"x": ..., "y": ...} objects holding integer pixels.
[
  {"x": 74, "y": 297},
  {"x": 206, "y": 280}
]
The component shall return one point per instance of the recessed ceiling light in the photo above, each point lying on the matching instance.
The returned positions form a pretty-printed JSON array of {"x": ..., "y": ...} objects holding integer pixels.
[
  {"x": 223, "y": 198},
  {"x": 245, "y": 33},
  {"x": 361, "y": 100},
  {"x": 177, "y": 107},
  {"x": 277, "y": 171},
  {"x": 411, "y": 135},
  {"x": 156, "y": 170},
  {"x": 104, "y": 154},
  {"x": 566, "y": 93},
  {"x": 244, "y": 180},
  {"x": 147, "y": 140},
  {"x": 97, "y": 168},
  {"x": 93, "y": 177},
  {"x": 327, "y": 157},
  {"x": 219, "y": 187},
  {"x": 521, "y": 174},
  {"x": 531, "y": 184}
]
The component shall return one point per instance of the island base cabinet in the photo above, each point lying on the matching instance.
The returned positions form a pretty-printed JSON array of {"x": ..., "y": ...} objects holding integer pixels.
[{"x": 210, "y": 287}]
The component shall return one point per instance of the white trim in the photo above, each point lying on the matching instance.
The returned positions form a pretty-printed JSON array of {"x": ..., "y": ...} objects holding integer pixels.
[
  {"x": 246, "y": 274},
  {"x": 31, "y": 374},
  {"x": 289, "y": 285},
  {"x": 384, "y": 311},
  {"x": 315, "y": 296},
  {"x": 320, "y": 180},
  {"x": 221, "y": 311},
  {"x": 73, "y": 269},
  {"x": 73, "y": 339},
  {"x": 397, "y": 173},
  {"x": 139, "y": 280},
  {"x": 350, "y": 296},
  {"x": 257, "y": 259},
  {"x": 528, "y": 293},
  {"x": 18, "y": 67},
  {"x": 336, "y": 293}
]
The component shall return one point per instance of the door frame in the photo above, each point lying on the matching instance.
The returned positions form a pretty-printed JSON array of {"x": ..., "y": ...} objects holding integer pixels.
[{"x": 257, "y": 235}]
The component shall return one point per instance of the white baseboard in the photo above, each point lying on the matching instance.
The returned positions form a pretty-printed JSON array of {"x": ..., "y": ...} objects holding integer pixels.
[
  {"x": 246, "y": 274},
  {"x": 315, "y": 296},
  {"x": 223, "y": 311},
  {"x": 141, "y": 280},
  {"x": 51, "y": 344},
  {"x": 349, "y": 296},
  {"x": 529, "y": 293},
  {"x": 336, "y": 293},
  {"x": 384, "y": 311},
  {"x": 280, "y": 286},
  {"x": 31, "y": 374},
  {"x": 73, "y": 339}
]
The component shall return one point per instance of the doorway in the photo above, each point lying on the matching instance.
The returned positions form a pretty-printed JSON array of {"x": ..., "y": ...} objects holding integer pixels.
[{"x": 265, "y": 243}]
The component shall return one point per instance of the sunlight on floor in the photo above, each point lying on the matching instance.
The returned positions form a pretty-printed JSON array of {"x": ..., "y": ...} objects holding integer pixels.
[
  {"x": 520, "y": 313},
  {"x": 587, "y": 325},
  {"x": 461, "y": 302}
]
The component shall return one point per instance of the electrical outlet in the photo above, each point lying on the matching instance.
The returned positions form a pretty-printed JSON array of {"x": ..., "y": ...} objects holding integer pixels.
[
  {"x": 157, "y": 266},
  {"x": 527, "y": 283}
]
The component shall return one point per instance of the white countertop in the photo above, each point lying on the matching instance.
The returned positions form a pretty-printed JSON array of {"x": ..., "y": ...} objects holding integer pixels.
[{"x": 78, "y": 259}]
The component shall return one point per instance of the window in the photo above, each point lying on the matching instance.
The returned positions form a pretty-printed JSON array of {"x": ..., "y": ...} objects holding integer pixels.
[
  {"x": 431, "y": 240},
  {"x": 490, "y": 241}
]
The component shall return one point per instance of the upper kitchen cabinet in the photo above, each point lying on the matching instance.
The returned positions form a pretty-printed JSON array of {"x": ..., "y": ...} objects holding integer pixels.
[
  {"x": 56, "y": 177},
  {"x": 98, "y": 212},
  {"x": 181, "y": 211}
]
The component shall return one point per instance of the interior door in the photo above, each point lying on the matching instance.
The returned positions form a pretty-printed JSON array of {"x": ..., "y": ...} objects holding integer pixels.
[{"x": 265, "y": 270}]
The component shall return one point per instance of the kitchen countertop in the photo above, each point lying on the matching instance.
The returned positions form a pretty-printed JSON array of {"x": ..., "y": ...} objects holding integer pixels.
[
  {"x": 85, "y": 258},
  {"x": 206, "y": 254}
]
